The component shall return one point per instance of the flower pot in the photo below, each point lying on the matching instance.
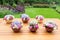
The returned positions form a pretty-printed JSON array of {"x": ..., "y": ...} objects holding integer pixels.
[
  {"x": 16, "y": 26},
  {"x": 40, "y": 18},
  {"x": 33, "y": 26},
  {"x": 9, "y": 18},
  {"x": 25, "y": 18},
  {"x": 50, "y": 26}
]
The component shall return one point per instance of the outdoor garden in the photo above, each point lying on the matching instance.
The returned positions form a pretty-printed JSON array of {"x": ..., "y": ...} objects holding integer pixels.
[
  {"x": 29, "y": 19},
  {"x": 47, "y": 8}
]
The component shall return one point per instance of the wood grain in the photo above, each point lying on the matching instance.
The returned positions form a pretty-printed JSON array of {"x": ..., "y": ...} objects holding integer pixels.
[{"x": 7, "y": 34}]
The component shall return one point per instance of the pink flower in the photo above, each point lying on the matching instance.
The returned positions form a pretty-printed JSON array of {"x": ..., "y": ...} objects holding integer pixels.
[
  {"x": 9, "y": 17},
  {"x": 50, "y": 25},
  {"x": 25, "y": 18},
  {"x": 39, "y": 17},
  {"x": 16, "y": 26},
  {"x": 33, "y": 26}
]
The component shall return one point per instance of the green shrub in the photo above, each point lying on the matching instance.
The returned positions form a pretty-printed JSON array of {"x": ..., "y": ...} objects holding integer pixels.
[
  {"x": 14, "y": 5},
  {"x": 58, "y": 9},
  {"x": 28, "y": 6},
  {"x": 53, "y": 6},
  {"x": 41, "y": 5},
  {"x": 4, "y": 12}
]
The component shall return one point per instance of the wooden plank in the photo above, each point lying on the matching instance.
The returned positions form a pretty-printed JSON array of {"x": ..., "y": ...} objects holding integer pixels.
[{"x": 7, "y": 34}]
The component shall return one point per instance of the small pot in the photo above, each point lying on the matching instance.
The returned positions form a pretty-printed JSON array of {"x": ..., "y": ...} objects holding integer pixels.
[
  {"x": 16, "y": 26},
  {"x": 9, "y": 18},
  {"x": 33, "y": 26},
  {"x": 25, "y": 18},
  {"x": 50, "y": 26},
  {"x": 8, "y": 21},
  {"x": 40, "y": 18}
]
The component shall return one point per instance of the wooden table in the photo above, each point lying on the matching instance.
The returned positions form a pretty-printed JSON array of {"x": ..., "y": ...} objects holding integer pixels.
[{"x": 7, "y": 34}]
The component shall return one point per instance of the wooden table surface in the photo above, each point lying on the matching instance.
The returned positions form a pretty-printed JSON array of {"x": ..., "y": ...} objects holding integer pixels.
[{"x": 6, "y": 32}]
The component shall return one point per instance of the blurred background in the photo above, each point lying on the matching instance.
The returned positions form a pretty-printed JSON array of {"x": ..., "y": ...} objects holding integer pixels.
[{"x": 47, "y": 8}]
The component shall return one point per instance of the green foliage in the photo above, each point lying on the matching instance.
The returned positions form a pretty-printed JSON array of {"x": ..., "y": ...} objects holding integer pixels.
[
  {"x": 46, "y": 12},
  {"x": 4, "y": 12},
  {"x": 29, "y": 1},
  {"x": 58, "y": 9},
  {"x": 14, "y": 5},
  {"x": 41, "y": 5}
]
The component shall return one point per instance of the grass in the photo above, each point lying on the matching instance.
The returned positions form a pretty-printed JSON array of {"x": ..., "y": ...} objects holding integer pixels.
[
  {"x": 46, "y": 12},
  {"x": 17, "y": 15}
]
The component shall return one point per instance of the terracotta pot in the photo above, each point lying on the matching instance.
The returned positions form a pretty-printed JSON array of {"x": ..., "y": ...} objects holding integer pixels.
[
  {"x": 9, "y": 21},
  {"x": 25, "y": 20}
]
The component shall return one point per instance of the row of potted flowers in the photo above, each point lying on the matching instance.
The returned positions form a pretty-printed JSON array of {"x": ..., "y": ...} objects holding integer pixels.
[{"x": 33, "y": 25}]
